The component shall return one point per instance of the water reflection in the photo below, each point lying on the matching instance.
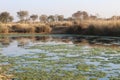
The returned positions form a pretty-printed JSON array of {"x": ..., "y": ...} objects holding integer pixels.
[
  {"x": 15, "y": 46},
  {"x": 78, "y": 40},
  {"x": 5, "y": 41}
]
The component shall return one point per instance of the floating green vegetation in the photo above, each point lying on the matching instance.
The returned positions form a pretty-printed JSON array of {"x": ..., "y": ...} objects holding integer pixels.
[
  {"x": 98, "y": 74},
  {"x": 96, "y": 59},
  {"x": 115, "y": 78},
  {"x": 95, "y": 52},
  {"x": 4, "y": 68},
  {"x": 115, "y": 60},
  {"x": 110, "y": 52},
  {"x": 85, "y": 67},
  {"x": 32, "y": 74},
  {"x": 93, "y": 79}
]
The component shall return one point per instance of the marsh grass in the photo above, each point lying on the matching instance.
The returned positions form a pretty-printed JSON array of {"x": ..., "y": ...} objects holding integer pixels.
[
  {"x": 98, "y": 27},
  {"x": 3, "y": 72},
  {"x": 85, "y": 27},
  {"x": 93, "y": 79},
  {"x": 4, "y": 28},
  {"x": 115, "y": 78},
  {"x": 24, "y": 28},
  {"x": 42, "y": 28},
  {"x": 98, "y": 74}
]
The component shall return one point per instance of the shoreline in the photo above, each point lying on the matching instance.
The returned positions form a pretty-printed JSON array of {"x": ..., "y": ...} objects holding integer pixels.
[
  {"x": 92, "y": 28},
  {"x": 45, "y": 34}
]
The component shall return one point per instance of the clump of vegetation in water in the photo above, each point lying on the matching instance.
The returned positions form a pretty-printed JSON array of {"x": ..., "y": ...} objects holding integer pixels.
[
  {"x": 115, "y": 60},
  {"x": 98, "y": 74},
  {"x": 31, "y": 74},
  {"x": 4, "y": 75},
  {"x": 85, "y": 67},
  {"x": 93, "y": 79},
  {"x": 115, "y": 78}
]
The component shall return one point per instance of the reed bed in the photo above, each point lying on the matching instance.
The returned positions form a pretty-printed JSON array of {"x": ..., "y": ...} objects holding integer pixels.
[
  {"x": 98, "y": 27},
  {"x": 85, "y": 27}
]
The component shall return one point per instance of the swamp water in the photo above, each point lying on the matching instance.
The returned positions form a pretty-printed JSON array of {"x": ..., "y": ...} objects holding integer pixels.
[{"x": 60, "y": 57}]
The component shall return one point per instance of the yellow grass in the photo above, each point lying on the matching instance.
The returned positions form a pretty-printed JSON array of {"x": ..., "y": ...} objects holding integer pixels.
[
  {"x": 4, "y": 28},
  {"x": 92, "y": 27},
  {"x": 98, "y": 27}
]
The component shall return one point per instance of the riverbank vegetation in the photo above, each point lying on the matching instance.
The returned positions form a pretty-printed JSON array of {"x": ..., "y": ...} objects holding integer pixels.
[{"x": 79, "y": 23}]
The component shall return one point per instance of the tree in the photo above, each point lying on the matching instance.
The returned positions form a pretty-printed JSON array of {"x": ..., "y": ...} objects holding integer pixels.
[
  {"x": 51, "y": 18},
  {"x": 69, "y": 19},
  {"x": 4, "y": 17},
  {"x": 10, "y": 19},
  {"x": 22, "y": 15},
  {"x": 43, "y": 18},
  {"x": 93, "y": 17},
  {"x": 34, "y": 17},
  {"x": 80, "y": 15},
  {"x": 85, "y": 15},
  {"x": 60, "y": 17},
  {"x": 77, "y": 15}
]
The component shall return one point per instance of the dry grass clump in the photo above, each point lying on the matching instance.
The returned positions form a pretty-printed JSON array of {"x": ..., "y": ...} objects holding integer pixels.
[
  {"x": 85, "y": 27},
  {"x": 61, "y": 24},
  {"x": 104, "y": 28},
  {"x": 99, "y": 27},
  {"x": 74, "y": 29},
  {"x": 42, "y": 28},
  {"x": 67, "y": 23},
  {"x": 23, "y": 28},
  {"x": 3, "y": 75},
  {"x": 6, "y": 77},
  {"x": 4, "y": 28}
]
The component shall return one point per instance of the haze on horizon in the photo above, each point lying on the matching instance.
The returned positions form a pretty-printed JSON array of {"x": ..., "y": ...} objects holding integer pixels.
[{"x": 105, "y": 8}]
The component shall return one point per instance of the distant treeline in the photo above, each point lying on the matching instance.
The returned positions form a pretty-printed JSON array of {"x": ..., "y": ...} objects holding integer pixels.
[{"x": 24, "y": 16}]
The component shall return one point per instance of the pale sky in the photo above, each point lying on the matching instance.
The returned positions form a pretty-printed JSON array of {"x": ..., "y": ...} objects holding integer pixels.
[{"x": 105, "y": 8}]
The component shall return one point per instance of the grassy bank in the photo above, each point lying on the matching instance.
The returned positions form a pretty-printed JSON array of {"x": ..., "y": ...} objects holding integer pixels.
[
  {"x": 99, "y": 27},
  {"x": 87, "y": 27},
  {"x": 25, "y": 28}
]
